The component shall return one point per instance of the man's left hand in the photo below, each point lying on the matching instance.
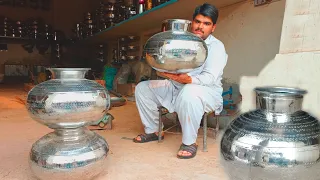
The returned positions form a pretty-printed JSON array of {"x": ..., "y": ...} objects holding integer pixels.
[{"x": 181, "y": 78}]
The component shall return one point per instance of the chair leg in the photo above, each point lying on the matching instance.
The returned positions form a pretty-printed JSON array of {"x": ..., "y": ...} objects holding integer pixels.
[
  {"x": 205, "y": 124},
  {"x": 160, "y": 126},
  {"x": 216, "y": 131}
]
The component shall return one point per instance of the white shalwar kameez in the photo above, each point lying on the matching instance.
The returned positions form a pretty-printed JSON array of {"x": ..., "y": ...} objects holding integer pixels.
[{"x": 189, "y": 101}]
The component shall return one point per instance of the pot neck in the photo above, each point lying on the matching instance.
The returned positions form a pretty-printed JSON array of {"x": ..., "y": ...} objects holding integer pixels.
[
  {"x": 279, "y": 103},
  {"x": 71, "y": 134},
  {"x": 68, "y": 73},
  {"x": 176, "y": 25}
]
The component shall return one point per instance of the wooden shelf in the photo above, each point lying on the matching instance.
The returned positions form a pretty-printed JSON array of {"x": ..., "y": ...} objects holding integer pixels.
[
  {"x": 153, "y": 18},
  {"x": 21, "y": 40},
  {"x": 15, "y": 40}
]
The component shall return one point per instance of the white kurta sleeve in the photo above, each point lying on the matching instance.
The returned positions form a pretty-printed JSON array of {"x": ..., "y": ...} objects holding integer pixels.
[{"x": 214, "y": 65}]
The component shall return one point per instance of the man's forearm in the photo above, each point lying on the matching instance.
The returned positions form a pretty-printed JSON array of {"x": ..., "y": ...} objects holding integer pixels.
[{"x": 205, "y": 79}]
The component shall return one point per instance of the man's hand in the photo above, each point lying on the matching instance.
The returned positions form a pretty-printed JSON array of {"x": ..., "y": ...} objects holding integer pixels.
[{"x": 181, "y": 78}]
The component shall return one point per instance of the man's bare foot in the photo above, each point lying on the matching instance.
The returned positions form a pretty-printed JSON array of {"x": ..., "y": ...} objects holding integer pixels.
[
  {"x": 184, "y": 153},
  {"x": 187, "y": 151}
]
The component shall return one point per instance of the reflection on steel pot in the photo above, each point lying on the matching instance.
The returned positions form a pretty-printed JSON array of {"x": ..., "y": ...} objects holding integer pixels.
[
  {"x": 67, "y": 103},
  {"x": 278, "y": 141},
  {"x": 175, "y": 50}
]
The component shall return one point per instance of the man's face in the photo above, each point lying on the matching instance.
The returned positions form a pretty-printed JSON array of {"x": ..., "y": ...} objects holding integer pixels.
[{"x": 202, "y": 26}]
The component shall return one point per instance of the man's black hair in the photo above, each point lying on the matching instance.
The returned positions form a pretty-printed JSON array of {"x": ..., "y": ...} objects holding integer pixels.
[{"x": 207, "y": 10}]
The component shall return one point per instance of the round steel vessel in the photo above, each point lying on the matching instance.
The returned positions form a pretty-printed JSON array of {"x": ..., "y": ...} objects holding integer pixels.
[
  {"x": 68, "y": 103},
  {"x": 277, "y": 141},
  {"x": 175, "y": 50}
]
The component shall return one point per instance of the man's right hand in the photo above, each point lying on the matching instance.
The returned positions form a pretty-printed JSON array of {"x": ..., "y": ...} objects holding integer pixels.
[
  {"x": 160, "y": 74},
  {"x": 180, "y": 78}
]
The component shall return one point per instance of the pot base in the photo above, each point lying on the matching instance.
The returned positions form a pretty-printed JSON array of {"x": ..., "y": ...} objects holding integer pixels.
[{"x": 69, "y": 154}]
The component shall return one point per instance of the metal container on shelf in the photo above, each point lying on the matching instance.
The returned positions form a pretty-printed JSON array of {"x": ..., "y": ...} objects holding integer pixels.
[
  {"x": 277, "y": 141},
  {"x": 110, "y": 14},
  {"x": 175, "y": 50},
  {"x": 67, "y": 104},
  {"x": 132, "y": 48}
]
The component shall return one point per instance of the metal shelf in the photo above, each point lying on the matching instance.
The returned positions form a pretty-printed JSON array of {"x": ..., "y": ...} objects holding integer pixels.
[{"x": 152, "y": 19}]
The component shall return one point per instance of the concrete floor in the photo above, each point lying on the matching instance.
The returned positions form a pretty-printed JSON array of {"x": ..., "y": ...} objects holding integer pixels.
[{"x": 127, "y": 160}]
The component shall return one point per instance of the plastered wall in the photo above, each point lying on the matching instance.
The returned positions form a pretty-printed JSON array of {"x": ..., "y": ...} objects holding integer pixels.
[
  {"x": 251, "y": 36},
  {"x": 298, "y": 62}
]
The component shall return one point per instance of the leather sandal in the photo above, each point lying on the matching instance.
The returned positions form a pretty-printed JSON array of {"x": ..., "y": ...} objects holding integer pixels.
[
  {"x": 192, "y": 149},
  {"x": 147, "y": 138}
]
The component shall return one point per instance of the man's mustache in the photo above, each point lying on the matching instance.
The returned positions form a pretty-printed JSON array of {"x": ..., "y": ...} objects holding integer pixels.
[{"x": 199, "y": 30}]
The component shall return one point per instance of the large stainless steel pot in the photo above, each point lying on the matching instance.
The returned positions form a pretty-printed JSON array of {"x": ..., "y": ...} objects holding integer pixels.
[
  {"x": 175, "y": 50},
  {"x": 278, "y": 141},
  {"x": 67, "y": 103}
]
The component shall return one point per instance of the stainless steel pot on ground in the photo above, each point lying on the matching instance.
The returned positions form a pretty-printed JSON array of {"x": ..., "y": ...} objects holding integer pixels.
[
  {"x": 68, "y": 103},
  {"x": 277, "y": 141}
]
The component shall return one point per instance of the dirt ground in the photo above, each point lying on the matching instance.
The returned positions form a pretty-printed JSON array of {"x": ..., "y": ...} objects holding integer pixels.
[{"x": 126, "y": 161}]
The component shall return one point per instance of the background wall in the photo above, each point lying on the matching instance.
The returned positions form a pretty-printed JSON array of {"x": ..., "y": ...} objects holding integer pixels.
[
  {"x": 298, "y": 62},
  {"x": 251, "y": 36}
]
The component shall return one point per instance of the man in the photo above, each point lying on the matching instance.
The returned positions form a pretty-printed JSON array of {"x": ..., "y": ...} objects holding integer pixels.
[{"x": 190, "y": 95}]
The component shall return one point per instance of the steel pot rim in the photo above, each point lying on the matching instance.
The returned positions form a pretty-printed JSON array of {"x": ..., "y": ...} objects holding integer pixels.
[
  {"x": 69, "y": 69},
  {"x": 280, "y": 91},
  {"x": 177, "y": 20}
]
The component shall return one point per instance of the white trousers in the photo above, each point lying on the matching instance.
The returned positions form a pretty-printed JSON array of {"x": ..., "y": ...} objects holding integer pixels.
[{"x": 189, "y": 101}]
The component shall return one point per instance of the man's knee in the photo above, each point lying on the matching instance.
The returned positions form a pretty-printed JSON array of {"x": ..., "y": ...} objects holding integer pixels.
[
  {"x": 189, "y": 94},
  {"x": 141, "y": 87}
]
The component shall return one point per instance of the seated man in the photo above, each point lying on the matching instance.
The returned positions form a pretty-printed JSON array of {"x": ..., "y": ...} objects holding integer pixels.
[{"x": 190, "y": 95}]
